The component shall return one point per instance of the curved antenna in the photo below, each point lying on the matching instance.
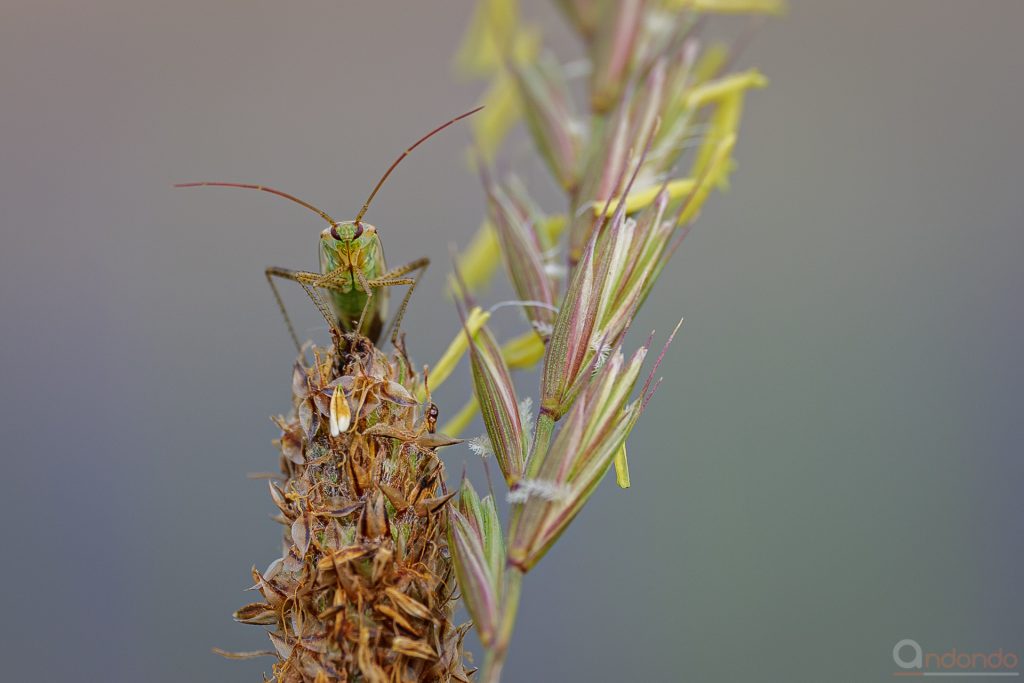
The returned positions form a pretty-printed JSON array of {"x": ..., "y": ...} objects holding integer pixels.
[
  {"x": 362, "y": 211},
  {"x": 263, "y": 188}
]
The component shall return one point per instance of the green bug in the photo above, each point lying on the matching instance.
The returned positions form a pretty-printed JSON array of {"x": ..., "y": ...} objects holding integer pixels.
[{"x": 352, "y": 266}]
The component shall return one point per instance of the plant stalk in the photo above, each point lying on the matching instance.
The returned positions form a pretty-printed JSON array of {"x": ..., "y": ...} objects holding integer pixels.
[
  {"x": 494, "y": 660},
  {"x": 541, "y": 441}
]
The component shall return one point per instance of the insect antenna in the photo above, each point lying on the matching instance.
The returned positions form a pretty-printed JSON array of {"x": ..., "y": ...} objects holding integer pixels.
[
  {"x": 362, "y": 211},
  {"x": 263, "y": 188}
]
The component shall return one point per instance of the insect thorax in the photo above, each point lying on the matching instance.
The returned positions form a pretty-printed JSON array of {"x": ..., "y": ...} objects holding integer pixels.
[{"x": 347, "y": 258}]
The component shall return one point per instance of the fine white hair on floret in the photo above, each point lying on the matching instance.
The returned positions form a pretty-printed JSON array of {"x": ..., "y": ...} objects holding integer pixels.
[
  {"x": 543, "y": 329},
  {"x": 556, "y": 270},
  {"x": 538, "y": 488},
  {"x": 526, "y": 418},
  {"x": 481, "y": 445}
]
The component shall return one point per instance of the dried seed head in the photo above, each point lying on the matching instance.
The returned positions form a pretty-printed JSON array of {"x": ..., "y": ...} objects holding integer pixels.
[{"x": 364, "y": 587}]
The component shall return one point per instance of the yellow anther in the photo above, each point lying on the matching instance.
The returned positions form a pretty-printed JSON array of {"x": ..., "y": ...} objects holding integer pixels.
[
  {"x": 717, "y": 167},
  {"x": 711, "y": 62},
  {"x": 723, "y": 87},
  {"x": 524, "y": 351},
  {"x": 552, "y": 227},
  {"x": 621, "y": 468},
  {"x": 641, "y": 199},
  {"x": 729, "y": 6},
  {"x": 724, "y": 121}
]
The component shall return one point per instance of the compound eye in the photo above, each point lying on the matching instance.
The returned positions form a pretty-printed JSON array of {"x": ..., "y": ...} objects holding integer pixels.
[
  {"x": 358, "y": 232},
  {"x": 334, "y": 232}
]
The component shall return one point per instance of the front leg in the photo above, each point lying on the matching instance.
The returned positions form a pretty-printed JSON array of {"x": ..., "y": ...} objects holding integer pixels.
[
  {"x": 307, "y": 281},
  {"x": 311, "y": 284},
  {"x": 394, "y": 278},
  {"x": 364, "y": 284}
]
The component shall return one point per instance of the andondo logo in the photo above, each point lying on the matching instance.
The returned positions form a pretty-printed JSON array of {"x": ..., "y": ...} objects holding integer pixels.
[{"x": 914, "y": 661}]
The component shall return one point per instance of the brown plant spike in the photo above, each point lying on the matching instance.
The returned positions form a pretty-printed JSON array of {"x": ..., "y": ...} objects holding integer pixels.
[{"x": 363, "y": 590}]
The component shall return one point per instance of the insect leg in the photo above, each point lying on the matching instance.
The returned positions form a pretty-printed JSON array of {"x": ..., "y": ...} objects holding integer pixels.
[
  {"x": 393, "y": 278},
  {"x": 308, "y": 282},
  {"x": 364, "y": 283}
]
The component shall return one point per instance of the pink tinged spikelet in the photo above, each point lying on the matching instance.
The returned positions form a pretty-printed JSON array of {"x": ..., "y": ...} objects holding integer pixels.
[
  {"x": 478, "y": 552},
  {"x": 581, "y": 454},
  {"x": 577, "y": 330},
  {"x": 634, "y": 123},
  {"x": 617, "y": 271},
  {"x": 521, "y": 251},
  {"x": 571, "y": 337},
  {"x": 499, "y": 406},
  {"x": 560, "y": 481},
  {"x": 547, "y": 109},
  {"x": 637, "y": 249},
  {"x": 652, "y": 95},
  {"x": 613, "y": 51}
]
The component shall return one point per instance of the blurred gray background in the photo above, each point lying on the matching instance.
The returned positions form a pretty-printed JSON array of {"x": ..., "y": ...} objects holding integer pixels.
[{"x": 832, "y": 465}]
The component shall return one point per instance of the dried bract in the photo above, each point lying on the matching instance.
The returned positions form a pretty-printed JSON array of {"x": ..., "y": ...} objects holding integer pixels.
[{"x": 363, "y": 590}]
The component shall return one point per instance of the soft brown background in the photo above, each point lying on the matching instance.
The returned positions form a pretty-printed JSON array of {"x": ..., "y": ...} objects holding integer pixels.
[{"x": 832, "y": 465}]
